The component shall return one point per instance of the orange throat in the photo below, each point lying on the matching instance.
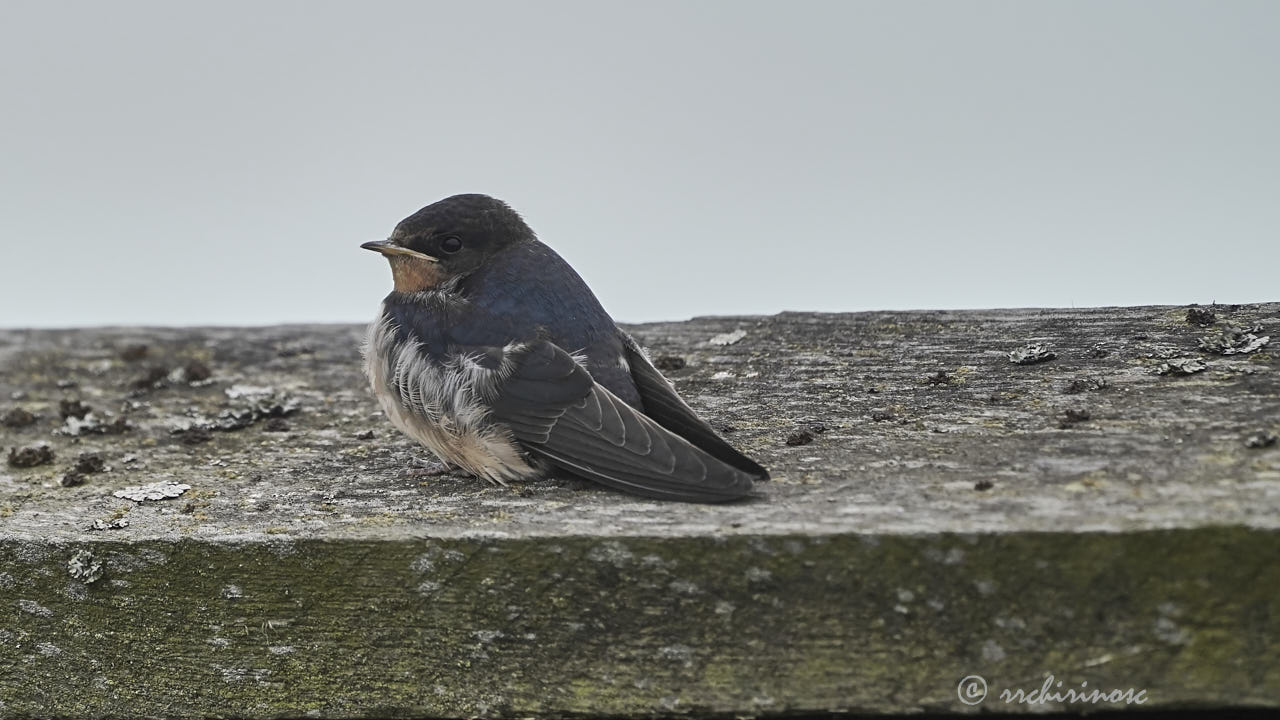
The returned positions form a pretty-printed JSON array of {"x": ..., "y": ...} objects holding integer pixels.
[{"x": 413, "y": 274}]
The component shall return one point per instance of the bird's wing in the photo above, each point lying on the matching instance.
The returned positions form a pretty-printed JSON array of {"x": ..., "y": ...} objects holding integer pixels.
[
  {"x": 557, "y": 412},
  {"x": 663, "y": 404}
]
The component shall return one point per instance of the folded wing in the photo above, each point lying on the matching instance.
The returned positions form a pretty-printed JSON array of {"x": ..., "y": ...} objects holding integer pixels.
[
  {"x": 557, "y": 412},
  {"x": 666, "y": 407}
]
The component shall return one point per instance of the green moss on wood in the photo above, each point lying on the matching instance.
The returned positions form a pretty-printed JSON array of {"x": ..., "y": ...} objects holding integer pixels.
[{"x": 461, "y": 627}]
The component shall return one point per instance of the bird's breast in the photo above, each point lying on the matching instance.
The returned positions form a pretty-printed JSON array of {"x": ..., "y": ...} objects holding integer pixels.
[{"x": 440, "y": 404}]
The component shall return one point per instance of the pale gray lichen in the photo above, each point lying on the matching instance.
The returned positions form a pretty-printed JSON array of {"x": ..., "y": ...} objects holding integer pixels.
[
  {"x": 34, "y": 608},
  {"x": 84, "y": 567},
  {"x": 154, "y": 491},
  {"x": 728, "y": 338}
]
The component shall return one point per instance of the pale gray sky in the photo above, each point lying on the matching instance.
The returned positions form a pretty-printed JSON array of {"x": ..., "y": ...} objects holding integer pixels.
[{"x": 220, "y": 162}]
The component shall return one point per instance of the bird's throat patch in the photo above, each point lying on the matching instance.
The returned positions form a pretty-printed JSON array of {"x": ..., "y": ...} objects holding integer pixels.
[{"x": 412, "y": 274}]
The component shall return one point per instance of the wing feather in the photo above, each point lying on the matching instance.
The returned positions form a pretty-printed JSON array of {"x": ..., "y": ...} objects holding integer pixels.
[
  {"x": 663, "y": 404},
  {"x": 556, "y": 411}
]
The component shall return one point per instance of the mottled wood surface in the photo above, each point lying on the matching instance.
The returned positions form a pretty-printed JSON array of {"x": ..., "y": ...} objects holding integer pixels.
[{"x": 902, "y": 451}]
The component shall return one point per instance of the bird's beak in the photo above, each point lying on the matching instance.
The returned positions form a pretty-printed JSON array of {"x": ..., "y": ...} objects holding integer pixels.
[{"x": 391, "y": 247}]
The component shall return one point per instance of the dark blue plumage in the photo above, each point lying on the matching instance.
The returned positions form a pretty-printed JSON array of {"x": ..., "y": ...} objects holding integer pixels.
[{"x": 494, "y": 353}]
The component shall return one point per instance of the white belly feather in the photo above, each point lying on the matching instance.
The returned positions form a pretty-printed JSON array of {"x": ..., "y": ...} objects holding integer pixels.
[{"x": 438, "y": 405}]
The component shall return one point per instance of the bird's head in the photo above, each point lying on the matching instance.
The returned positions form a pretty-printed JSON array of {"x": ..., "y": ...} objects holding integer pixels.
[{"x": 449, "y": 239}]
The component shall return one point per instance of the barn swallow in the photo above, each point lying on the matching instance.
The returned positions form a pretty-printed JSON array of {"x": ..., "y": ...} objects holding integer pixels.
[{"x": 494, "y": 354}]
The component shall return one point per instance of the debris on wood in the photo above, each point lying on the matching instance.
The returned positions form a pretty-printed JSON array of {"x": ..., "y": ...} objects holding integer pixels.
[
  {"x": 1079, "y": 385},
  {"x": 134, "y": 353},
  {"x": 1181, "y": 366},
  {"x": 256, "y": 403},
  {"x": 1203, "y": 317},
  {"x": 1234, "y": 340},
  {"x": 1032, "y": 353},
  {"x": 669, "y": 362},
  {"x": 16, "y": 418},
  {"x": 194, "y": 373},
  {"x": 116, "y": 524},
  {"x": 799, "y": 437},
  {"x": 90, "y": 462},
  {"x": 91, "y": 424},
  {"x": 153, "y": 378},
  {"x": 30, "y": 456},
  {"x": 73, "y": 408},
  {"x": 1260, "y": 439},
  {"x": 1073, "y": 416}
]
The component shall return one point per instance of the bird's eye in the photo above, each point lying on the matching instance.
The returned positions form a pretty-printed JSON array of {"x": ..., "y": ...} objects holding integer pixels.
[{"x": 450, "y": 244}]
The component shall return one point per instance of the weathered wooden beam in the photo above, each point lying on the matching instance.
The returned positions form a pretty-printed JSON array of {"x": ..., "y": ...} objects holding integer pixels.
[{"x": 938, "y": 511}]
